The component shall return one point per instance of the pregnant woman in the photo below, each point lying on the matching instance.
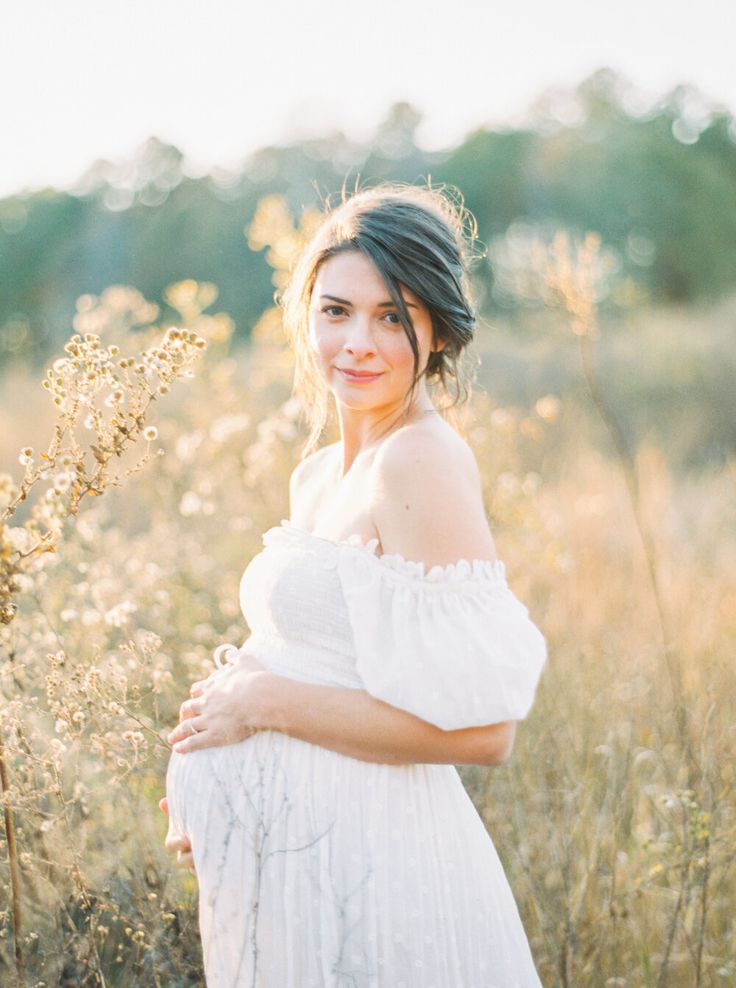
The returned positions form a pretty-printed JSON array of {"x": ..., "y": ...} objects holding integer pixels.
[{"x": 313, "y": 778}]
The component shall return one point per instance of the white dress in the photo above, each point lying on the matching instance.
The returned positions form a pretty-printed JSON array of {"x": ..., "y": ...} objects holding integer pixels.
[{"x": 318, "y": 870}]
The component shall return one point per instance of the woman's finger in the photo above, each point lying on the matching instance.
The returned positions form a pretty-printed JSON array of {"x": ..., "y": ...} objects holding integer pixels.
[
  {"x": 208, "y": 739},
  {"x": 183, "y": 743},
  {"x": 190, "y": 727},
  {"x": 177, "y": 842},
  {"x": 190, "y": 708},
  {"x": 186, "y": 860}
]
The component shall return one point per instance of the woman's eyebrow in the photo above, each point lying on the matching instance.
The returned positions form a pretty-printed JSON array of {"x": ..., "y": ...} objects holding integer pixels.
[{"x": 381, "y": 305}]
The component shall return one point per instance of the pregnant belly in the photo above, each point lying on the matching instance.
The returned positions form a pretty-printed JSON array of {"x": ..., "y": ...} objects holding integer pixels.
[
  {"x": 269, "y": 784},
  {"x": 295, "y": 791},
  {"x": 319, "y": 857},
  {"x": 229, "y": 780}
]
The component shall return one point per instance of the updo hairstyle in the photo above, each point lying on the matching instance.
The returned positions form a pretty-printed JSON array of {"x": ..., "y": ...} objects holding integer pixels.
[{"x": 419, "y": 237}]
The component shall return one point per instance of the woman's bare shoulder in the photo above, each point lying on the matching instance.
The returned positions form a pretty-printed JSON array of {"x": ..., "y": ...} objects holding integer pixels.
[
  {"x": 429, "y": 503},
  {"x": 428, "y": 446}
]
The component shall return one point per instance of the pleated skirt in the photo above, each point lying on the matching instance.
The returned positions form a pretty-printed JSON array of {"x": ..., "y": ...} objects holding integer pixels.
[{"x": 317, "y": 870}]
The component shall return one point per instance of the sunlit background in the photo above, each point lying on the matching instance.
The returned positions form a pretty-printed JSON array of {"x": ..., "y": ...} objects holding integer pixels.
[
  {"x": 85, "y": 80},
  {"x": 161, "y": 165}
]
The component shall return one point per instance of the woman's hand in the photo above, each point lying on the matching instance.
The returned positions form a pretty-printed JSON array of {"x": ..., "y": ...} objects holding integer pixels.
[
  {"x": 176, "y": 843},
  {"x": 227, "y": 707}
]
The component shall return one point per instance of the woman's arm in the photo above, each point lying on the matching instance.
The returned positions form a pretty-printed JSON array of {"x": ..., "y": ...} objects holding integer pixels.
[
  {"x": 246, "y": 698},
  {"x": 355, "y": 723}
]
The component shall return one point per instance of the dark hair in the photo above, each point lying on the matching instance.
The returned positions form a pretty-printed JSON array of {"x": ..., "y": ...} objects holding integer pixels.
[{"x": 417, "y": 237}]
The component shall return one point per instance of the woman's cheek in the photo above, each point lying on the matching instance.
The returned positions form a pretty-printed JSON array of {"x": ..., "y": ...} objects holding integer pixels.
[
  {"x": 325, "y": 345},
  {"x": 400, "y": 357}
]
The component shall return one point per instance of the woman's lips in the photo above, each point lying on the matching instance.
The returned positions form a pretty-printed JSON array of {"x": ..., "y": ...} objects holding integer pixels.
[{"x": 349, "y": 376}]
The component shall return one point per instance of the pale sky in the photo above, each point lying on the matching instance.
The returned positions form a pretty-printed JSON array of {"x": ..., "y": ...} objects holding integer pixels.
[{"x": 88, "y": 79}]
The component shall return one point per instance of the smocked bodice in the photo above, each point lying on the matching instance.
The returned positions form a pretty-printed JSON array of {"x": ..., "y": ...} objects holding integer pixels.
[{"x": 451, "y": 644}]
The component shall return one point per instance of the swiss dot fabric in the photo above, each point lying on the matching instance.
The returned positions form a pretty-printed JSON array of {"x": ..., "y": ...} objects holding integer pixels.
[{"x": 317, "y": 870}]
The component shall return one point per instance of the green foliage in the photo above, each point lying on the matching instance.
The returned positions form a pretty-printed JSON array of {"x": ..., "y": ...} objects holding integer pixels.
[{"x": 660, "y": 189}]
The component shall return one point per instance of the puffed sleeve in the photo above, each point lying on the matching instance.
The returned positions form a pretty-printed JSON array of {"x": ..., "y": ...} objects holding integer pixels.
[{"x": 453, "y": 646}]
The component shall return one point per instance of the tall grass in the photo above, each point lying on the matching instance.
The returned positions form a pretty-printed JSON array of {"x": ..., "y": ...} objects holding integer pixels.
[{"x": 614, "y": 817}]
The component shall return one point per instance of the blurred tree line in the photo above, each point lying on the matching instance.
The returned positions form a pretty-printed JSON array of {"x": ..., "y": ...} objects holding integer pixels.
[{"x": 658, "y": 184}]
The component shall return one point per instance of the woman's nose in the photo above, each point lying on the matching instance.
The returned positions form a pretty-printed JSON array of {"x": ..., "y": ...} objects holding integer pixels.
[{"x": 359, "y": 337}]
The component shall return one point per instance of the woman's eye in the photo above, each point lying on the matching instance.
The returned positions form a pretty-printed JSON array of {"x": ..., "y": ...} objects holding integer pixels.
[
  {"x": 329, "y": 310},
  {"x": 393, "y": 318}
]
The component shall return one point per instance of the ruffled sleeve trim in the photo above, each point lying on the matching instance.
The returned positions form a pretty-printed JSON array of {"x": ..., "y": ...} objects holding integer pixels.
[
  {"x": 452, "y": 645},
  {"x": 393, "y": 564}
]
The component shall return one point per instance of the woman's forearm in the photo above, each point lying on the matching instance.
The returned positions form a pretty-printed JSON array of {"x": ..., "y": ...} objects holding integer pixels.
[{"x": 354, "y": 723}]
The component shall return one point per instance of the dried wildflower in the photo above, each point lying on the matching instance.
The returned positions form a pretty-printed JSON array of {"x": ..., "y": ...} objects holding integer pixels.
[
  {"x": 74, "y": 382},
  {"x": 62, "y": 482}
]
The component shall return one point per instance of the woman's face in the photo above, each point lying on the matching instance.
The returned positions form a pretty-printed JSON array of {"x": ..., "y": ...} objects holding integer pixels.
[{"x": 354, "y": 325}]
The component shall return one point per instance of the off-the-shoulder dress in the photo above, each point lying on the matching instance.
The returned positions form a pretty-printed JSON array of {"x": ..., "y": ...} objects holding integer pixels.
[{"x": 317, "y": 870}]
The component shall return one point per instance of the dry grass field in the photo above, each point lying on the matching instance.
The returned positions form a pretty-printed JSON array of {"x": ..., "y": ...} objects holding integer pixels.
[{"x": 615, "y": 815}]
